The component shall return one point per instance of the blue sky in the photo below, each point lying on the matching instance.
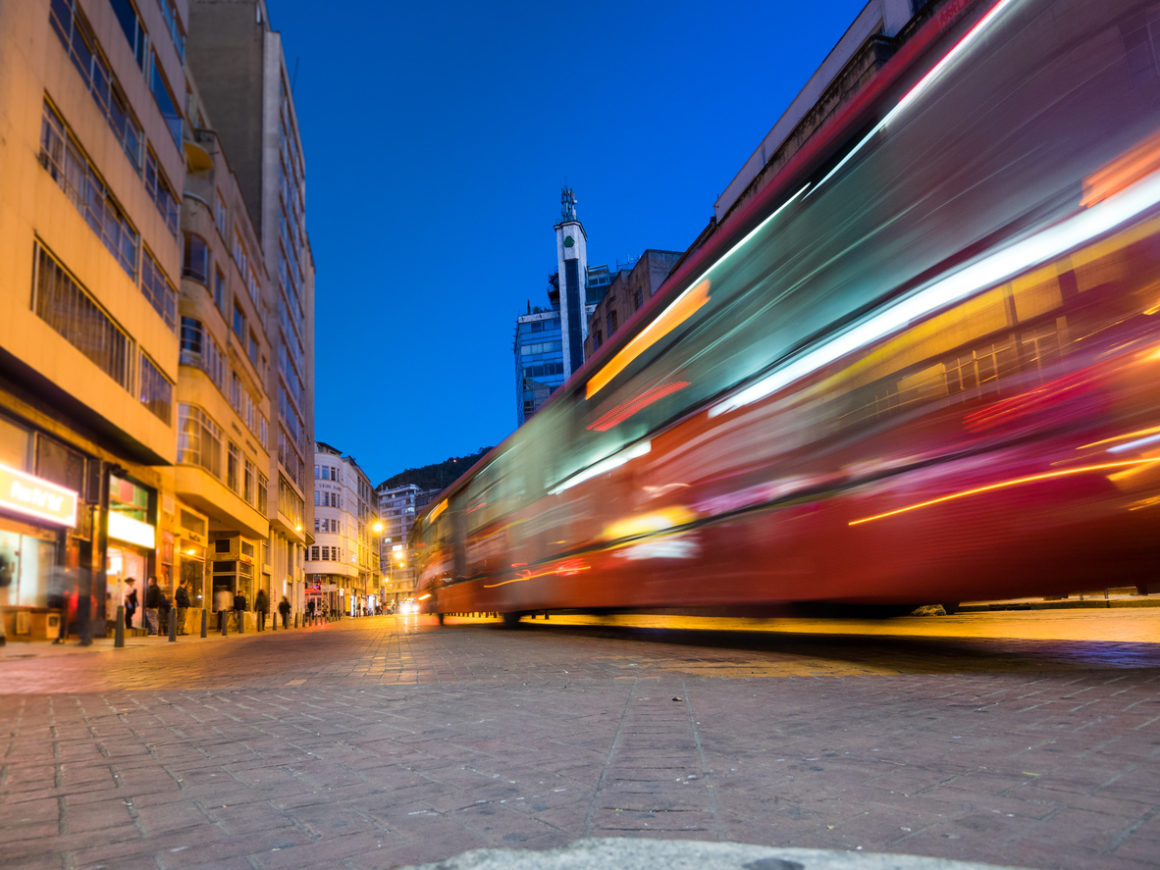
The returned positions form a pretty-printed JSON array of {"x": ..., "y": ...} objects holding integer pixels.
[{"x": 437, "y": 136}]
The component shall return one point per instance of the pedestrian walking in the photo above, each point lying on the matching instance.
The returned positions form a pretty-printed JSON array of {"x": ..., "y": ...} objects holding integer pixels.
[
  {"x": 130, "y": 600},
  {"x": 240, "y": 609},
  {"x": 223, "y": 600},
  {"x": 153, "y": 601},
  {"x": 181, "y": 601},
  {"x": 284, "y": 609},
  {"x": 261, "y": 607}
]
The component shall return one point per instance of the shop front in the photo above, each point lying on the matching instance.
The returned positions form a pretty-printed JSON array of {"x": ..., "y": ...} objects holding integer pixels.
[
  {"x": 35, "y": 517},
  {"x": 132, "y": 549}
]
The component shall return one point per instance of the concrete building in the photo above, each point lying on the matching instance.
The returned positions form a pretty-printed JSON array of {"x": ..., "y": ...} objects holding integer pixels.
[
  {"x": 142, "y": 335},
  {"x": 628, "y": 291},
  {"x": 223, "y": 464},
  {"x": 91, "y": 162},
  {"x": 342, "y": 563},
  {"x": 238, "y": 63},
  {"x": 397, "y": 508}
]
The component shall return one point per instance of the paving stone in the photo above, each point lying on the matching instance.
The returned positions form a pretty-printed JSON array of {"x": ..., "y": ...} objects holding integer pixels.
[{"x": 826, "y": 743}]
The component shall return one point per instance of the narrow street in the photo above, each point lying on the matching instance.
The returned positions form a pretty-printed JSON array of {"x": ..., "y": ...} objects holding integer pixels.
[{"x": 391, "y": 741}]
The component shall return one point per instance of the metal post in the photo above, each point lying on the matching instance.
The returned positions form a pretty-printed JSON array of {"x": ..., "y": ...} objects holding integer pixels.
[
  {"x": 173, "y": 625},
  {"x": 224, "y": 617},
  {"x": 119, "y": 627},
  {"x": 203, "y": 622}
]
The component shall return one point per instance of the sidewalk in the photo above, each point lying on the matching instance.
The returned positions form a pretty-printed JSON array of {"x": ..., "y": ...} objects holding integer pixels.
[{"x": 19, "y": 648}]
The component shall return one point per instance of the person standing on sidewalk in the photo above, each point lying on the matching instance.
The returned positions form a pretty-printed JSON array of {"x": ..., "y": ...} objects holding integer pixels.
[
  {"x": 222, "y": 601},
  {"x": 261, "y": 607},
  {"x": 284, "y": 609},
  {"x": 240, "y": 609},
  {"x": 181, "y": 601},
  {"x": 153, "y": 601},
  {"x": 130, "y": 600}
]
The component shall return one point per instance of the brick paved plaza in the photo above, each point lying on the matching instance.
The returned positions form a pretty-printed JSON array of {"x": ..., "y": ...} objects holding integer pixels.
[{"x": 384, "y": 741}]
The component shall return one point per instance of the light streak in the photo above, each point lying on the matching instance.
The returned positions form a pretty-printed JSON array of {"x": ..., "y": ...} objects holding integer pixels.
[
  {"x": 566, "y": 568},
  {"x": 1132, "y": 445},
  {"x": 623, "y": 411},
  {"x": 614, "y": 461},
  {"x": 915, "y": 92},
  {"x": 1005, "y": 484},
  {"x": 1048, "y": 244},
  {"x": 439, "y": 508},
  {"x": 1138, "y": 433},
  {"x": 680, "y": 310},
  {"x": 676, "y": 313}
]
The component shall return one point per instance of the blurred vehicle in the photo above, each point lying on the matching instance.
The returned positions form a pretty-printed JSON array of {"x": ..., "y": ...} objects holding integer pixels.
[
  {"x": 408, "y": 606},
  {"x": 921, "y": 365}
]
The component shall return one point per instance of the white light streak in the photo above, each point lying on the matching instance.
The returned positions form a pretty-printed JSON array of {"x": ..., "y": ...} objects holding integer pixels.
[
  {"x": 992, "y": 270},
  {"x": 614, "y": 461},
  {"x": 1132, "y": 445}
]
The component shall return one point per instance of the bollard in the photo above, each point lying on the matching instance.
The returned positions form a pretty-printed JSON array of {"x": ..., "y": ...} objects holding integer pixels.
[
  {"x": 203, "y": 622},
  {"x": 224, "y": 618},
  {"x": 241, "y": 622},
  {"x": 295, "y": 620},
  {"x": 119, "y": 630},
  {"x": 274, "y": 623},
  {"x": 173, "y": 625}
]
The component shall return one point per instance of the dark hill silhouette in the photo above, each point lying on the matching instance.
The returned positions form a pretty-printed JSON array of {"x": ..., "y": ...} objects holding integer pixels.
[{"x": 438, "y": 476}]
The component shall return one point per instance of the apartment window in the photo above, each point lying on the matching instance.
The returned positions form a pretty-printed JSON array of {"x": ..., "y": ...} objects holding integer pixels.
[
  {"x": 263, "y": 487},
  {"x": 253, "y": 348},
  {"x": 169, "y": 13},
  {"x": 220, "y": 215},
  {"x": 77, "y": 38},
  {"x": 196, "y": 258},
  {"x": 200, "y": 350},
  {"x": 156, "y": 390},
  {"x": 158, "y": 289},
  {"x": 161, "y": 192},
  {"x": 132, "y": 28},
  {"x": 69, "y": 309},
  {"x": 637, "y": 299},
  {"x": 612, "y": 324},
  {"x": 315, "y": 553},
  {"x": 233, "y": 467},
  {"x": 239, "y": 322},
  {"x": 290, "y": 504},
  {"x": 165, "y": 102},
  {"x": 199, "y": 439},
  {"x": 70, "y": 168},
  {"x": 219, "y": 290},
  {"x": 239, "y": 252}
]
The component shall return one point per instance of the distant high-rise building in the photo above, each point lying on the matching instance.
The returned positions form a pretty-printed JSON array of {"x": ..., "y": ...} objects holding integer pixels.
[
  {"x": 238, "y": 63},
  {"x": 549, "y": 342},
  {"x": 397, "y": 508}
]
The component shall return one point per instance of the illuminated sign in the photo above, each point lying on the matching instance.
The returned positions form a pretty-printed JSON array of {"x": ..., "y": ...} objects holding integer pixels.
[
  {"x": 38, "y": 498},
  {"x": 131, "y": 531}
]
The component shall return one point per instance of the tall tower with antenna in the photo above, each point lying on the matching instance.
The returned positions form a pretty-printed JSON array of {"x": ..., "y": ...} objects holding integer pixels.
[{"x": 572, "y": 265}]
